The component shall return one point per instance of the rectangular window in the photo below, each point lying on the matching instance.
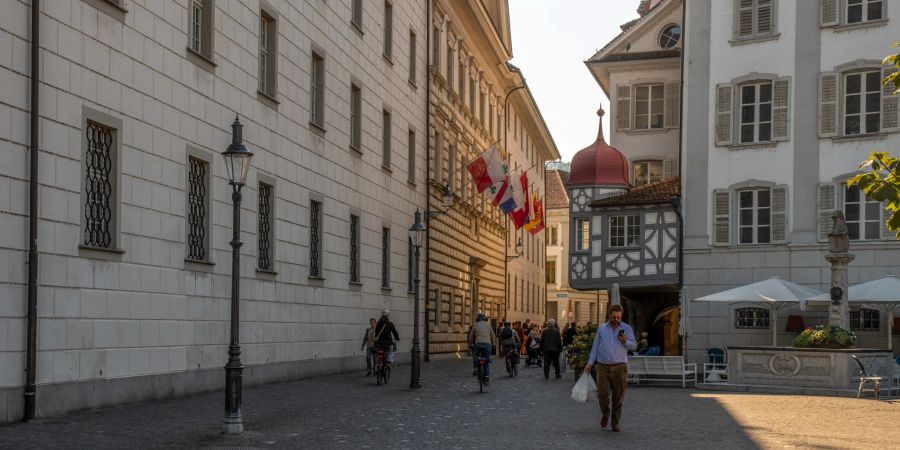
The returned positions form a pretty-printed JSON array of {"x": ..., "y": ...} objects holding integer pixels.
[
  {"x": 197, "y": 25},
  {"x": 481, "y": 108},
  {"x": 265, "y": 227},
  {"x": 754, "y": 18},
  {"x": 388, "y": 30},
  {"x": 436, "y": 47},
  {"x": 863, "y": 215},
  {"x": 756, "y": 112},
  {"x": 472, "y": 95},
  {"x": 411, "y": 157},
  {"x": 100, "y": 186},
  {"x": 648, "y": 106},
  {"x": 354, "y": 248},
  {"x": 864, "y": 10},
  {"x": 862, "y": 102},
  {"x": 865, "y": 320},
  {"x": 582, "y": 234},
  {"x": 356, "y": 13},
  {"x": 646, "y": 172},
  {"x": 317, "y": 90},
  {"x": 451, "y": 64},
  {"x": 754, "y": 216},
  {"x": 751, "y": 318},
  {"x": 412, "y": 57},
  {"x": 386, "y": 139},
  {"x": 385, "y": 258},
  {"x": 624, "y": 231},
  {"x": 267, "y": 54},
  {"x": 355, "y": 117},
  {"x": 315, "y": 239},
  {"x": 550, "y": 267},
  {"x": 461, "y": 75},
  {"x": 197, "y": 216},
  {"x": 554, "y": 235}
]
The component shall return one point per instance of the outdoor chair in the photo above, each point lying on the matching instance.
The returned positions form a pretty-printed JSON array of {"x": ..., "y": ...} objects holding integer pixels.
[
  {"x": 895, "y": 377},
  {"x": 865, "y": 379},
  {"x": 652, "y": 351},
  {"x": 714, "y": 371}
]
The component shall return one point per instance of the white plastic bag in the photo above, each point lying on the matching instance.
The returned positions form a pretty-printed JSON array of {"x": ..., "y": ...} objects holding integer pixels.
[{"x": 584, "y": 389}]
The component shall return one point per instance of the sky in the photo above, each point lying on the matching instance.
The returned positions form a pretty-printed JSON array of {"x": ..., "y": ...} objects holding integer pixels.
[{"x": 551, "y": 39}]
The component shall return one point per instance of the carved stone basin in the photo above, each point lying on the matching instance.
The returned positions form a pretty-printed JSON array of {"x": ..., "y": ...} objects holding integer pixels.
[{"x": 804, "y": 367}]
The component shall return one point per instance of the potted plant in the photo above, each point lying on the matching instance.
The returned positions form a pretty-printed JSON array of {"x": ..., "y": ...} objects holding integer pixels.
[{"x": 578, "y": 353}]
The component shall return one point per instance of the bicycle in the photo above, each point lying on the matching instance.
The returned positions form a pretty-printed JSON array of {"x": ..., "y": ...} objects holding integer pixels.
[
  {"x": 382, "y": 369},
  {"x": 512, "y": 362},
  {"x": 482, "y": 362}
]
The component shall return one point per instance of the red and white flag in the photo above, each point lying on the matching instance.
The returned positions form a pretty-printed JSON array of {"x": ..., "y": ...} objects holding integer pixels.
[{"x": 521, "y": 215}]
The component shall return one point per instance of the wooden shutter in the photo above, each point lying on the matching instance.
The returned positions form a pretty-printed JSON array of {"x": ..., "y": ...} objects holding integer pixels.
[
  {"x": 781, "y": 111},
  {"x": 623, "y": 107},
  {"x": 764, "y": 19},
  {"x": 779, "y": 213},
  {"x": 826, "y": 205},
  {"x": 830, "y": 13},
  {"x": 670, "y": 168},
  {"x": 744, "y": 22},
  {"x": 829, "y": 83},
  {"x": 672, "y": 105},
  {"x": 724, "y": 102},
  {"x": 885, "y": 216},
  {"x": 889, "y": 120},
  {"x": 721, "y": 217}
]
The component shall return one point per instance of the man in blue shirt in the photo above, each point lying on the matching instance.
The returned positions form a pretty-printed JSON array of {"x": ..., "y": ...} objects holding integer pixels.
[{"x": 610, "y": 352}]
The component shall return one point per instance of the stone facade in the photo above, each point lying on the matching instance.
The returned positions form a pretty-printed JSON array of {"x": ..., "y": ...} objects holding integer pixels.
[
  {"x": 470, "y": 80},
  {"x": 799, "y": 166},
  {"x": 138, "y": 319}
]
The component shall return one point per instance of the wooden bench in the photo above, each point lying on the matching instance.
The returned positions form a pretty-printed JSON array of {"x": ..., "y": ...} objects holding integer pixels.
[{"x": 661, "y": 368}]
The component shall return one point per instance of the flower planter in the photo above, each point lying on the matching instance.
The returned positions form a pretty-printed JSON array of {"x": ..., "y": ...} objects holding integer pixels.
[{"x": 821, "y": 368}]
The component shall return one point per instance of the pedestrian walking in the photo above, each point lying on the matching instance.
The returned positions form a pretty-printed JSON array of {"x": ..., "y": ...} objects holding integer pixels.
[
  {"x": 610, "y": 352},
  {"x": 551, "y": 344},
  {"x": 368, "y": 344},
  {"x": 568, "y": 335},
  {"x": 526, "y": 330}
]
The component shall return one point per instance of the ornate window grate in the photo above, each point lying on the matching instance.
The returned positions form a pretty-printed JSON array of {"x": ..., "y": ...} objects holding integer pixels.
[
  {"x": 98, "y": 186},
  {"x": 354, "y": 249},
  {"x": 315, "y": 239},
  {"x": 264, "y": 226},
  {"x": 385, "y": 258},
  {"x": 865, "y": 320},
  {"x": 751, "y": 318},
  {"x": 196, "y": 219}
]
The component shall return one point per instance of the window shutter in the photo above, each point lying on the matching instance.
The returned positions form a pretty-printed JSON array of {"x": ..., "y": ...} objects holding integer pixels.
[
  {"x": 672, "y": 104},
  {"x": 830, "y": 15},
  {"x": 781, "y": 117},
  {"x": 889, "y": 120},
  {"x": 826, "y": 205},
  {"x": 885, "y": 216},
  {"x": 724, "y": 101},
  {"x": 828, "y": 104},
  {"x": 623, "y": 107},
  {"x": 721, "y": 217},
  {"x": 779, "y": 213},
  {"x": 744, "y": 21},
  {"x": 764, "y": 17},
  {"x": 670, "y": 168}
]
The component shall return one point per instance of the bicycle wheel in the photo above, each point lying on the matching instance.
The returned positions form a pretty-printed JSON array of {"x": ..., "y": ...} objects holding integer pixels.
[
  {"x": 387, "y": 374},
  {"x": 480, "y": 378}
]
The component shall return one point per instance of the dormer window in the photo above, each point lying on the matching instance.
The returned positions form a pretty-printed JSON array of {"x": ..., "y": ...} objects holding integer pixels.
[{"x": 670, "y": 36}]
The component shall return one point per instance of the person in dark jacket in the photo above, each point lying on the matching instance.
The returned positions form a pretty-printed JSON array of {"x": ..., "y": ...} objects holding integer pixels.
[
  {"x": 385, "y": 335},
  {"x": 568, "y": 334},
  {"x": 551, "y": 343}
]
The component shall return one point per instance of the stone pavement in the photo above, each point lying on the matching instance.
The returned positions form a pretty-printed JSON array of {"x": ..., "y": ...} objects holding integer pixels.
[{"x": 350, "y": 411}]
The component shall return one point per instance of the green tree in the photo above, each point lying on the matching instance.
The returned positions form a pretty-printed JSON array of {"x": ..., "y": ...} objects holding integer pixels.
[{"x": 880, "y": 179}]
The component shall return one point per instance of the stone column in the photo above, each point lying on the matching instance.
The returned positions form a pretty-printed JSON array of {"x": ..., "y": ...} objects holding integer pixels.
[{"x": 838, "y": 314}]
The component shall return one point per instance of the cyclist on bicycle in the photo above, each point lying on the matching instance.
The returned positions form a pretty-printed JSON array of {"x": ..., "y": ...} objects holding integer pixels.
[
  {"x": 482, "y": 341},
  {"x": 509, "y": 339},
  {"x": 385, "y": 336}
]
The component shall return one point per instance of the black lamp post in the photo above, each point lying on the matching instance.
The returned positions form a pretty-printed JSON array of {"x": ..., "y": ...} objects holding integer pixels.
[
  {"x": 415, "y": 233},
  {"x": 237, "y": 164}
]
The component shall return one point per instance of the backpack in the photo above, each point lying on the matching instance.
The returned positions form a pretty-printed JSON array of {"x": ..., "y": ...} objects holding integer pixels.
[{"x": 506, "y": 333}]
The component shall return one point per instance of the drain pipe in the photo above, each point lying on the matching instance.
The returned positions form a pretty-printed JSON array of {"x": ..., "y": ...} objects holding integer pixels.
[
  {"x": 428, "y": 63},
  {"x": 31, "y": 324}
]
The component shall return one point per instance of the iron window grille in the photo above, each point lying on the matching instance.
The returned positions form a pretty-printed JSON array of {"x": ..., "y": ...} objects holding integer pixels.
[
  {"x": 354, "y": 249},
  {"x": 98, "y": 208},
  {"x": 751, "y": 318},
  {"x": 264, "y": 227},
  {"x": 385, "y": 258},
  {"x": 865, "y": 320},
  {"x": 196, "y": 219},
  {"x": 315, "y": 239}
]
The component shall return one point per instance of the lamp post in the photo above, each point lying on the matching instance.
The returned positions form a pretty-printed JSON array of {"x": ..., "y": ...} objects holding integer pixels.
[
  {"x": 237, "y": 164},
  {"x": 415, "y": 233}
]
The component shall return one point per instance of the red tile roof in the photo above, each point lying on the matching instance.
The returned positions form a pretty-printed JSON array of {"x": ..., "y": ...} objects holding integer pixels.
[
  {"x": 662, "y": 191},
  {"x": 556, "y": 191}
]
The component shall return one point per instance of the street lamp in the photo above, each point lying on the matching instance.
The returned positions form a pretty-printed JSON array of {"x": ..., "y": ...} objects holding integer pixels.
[
  {"x": 237, "y": 165},
  {"x": 415, "y": 234},
  {"x": 519, "y": 251}
]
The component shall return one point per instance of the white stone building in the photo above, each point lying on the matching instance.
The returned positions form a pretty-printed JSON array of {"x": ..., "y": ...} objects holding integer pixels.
[
  {"x": 782, "y": 100},
  {"x": 134, "y": 222}
]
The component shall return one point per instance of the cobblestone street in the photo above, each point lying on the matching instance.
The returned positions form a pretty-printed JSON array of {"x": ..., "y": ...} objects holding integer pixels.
[{"x": 350, "y": 411}]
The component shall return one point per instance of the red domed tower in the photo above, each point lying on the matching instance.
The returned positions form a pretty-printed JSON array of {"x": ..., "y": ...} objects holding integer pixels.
[{"x": 598, "y": 171}]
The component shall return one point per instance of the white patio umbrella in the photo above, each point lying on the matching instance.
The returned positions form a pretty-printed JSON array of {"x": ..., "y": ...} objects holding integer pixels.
[
  {"x": 883, "y": 294},
  {"x": 773, "y": 294}
]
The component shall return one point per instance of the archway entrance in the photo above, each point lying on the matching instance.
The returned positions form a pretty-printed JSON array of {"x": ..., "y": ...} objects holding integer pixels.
[{"x": 665, "y": 325}]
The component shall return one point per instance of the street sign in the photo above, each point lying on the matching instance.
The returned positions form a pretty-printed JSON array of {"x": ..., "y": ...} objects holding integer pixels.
[
  {"x": 571, "y": 314},
  {"x": 562, "y": 295}
]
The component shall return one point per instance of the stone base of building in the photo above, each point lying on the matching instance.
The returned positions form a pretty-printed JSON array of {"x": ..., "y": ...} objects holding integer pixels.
[
  {"x": 804, "y": 367},
  {"x": 55, "y": 399}
]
